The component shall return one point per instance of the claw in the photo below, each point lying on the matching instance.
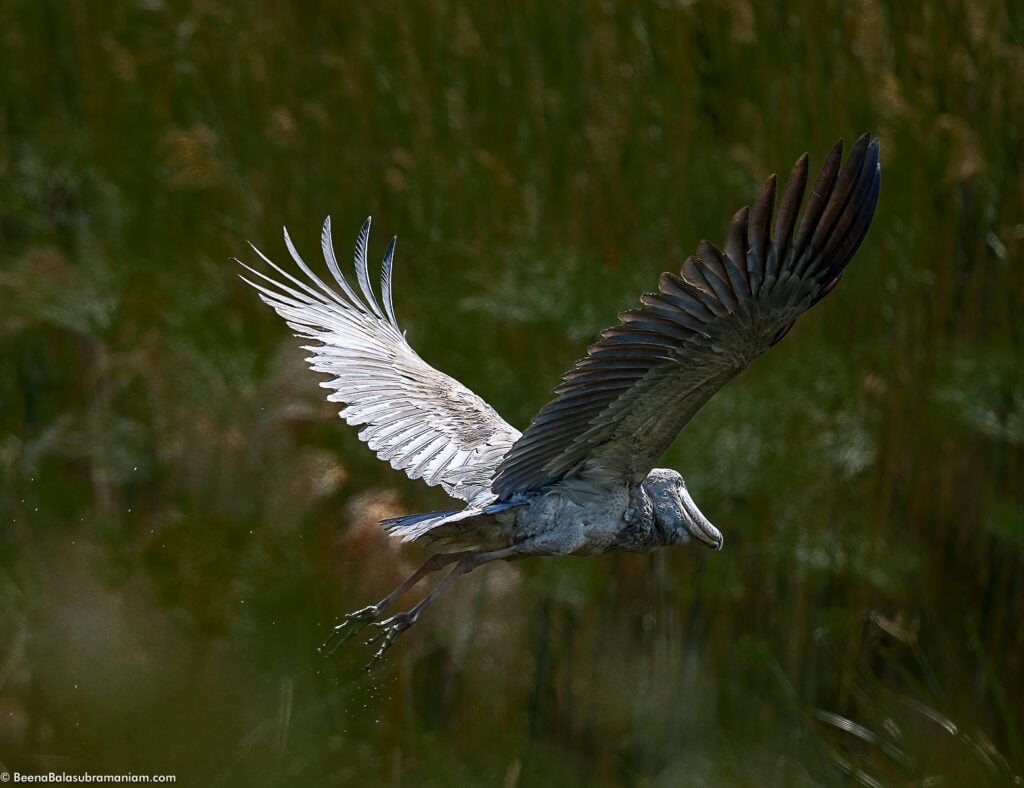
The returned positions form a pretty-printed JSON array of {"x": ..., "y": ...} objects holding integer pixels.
[
  {"x": 388, "y": 633},
  {"x": 354, "y": 623}
]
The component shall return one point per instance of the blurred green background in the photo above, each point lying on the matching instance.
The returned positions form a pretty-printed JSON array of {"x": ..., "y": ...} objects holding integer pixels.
[{"x": 183, "y": 517}]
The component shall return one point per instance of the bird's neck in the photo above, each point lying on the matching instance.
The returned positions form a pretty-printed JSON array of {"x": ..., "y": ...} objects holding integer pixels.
[{"x": 639, "y": 533}]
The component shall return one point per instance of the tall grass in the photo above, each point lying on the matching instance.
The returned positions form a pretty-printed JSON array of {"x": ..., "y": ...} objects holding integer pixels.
[{"x": 182, "y": 516}]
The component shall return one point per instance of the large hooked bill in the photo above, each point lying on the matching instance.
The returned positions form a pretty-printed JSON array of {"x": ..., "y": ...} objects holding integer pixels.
[{"x": 701, "y": 529}]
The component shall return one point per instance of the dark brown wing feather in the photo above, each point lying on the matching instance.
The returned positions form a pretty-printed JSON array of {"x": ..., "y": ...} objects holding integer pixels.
[{"x": 619, "y": 408}]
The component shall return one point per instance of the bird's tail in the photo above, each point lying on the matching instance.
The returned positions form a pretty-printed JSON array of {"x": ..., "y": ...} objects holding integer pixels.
[
  {"x": 440, "y": 526},
  {"x": 412, "y": 526}
]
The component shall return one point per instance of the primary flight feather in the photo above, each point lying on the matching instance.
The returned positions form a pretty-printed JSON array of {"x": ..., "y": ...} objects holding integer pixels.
[{"x": 581, "y": 478}]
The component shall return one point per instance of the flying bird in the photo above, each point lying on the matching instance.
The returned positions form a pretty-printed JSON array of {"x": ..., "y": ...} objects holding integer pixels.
[{"x": 581, "y": 479}]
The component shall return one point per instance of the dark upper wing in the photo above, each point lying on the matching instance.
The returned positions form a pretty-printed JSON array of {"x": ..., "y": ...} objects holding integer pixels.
[
  {"x": 620, "y": 407},
  {"x": 416, "y": 418}
]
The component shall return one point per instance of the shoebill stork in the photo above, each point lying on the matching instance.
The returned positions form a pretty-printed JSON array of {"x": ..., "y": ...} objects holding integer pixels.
[{"x": 581, "y": 479}]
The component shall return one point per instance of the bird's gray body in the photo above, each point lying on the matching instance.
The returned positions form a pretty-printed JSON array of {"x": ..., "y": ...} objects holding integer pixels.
[
  {"x": 581, "y": 479},
  {"x": 573, "y": 517}
]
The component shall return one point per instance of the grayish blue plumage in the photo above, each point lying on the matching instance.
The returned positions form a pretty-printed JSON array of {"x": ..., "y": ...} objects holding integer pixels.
[{"x": 581, "y": 478}]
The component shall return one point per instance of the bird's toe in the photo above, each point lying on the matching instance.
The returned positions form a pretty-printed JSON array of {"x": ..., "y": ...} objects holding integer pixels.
[
  {"x": 387, "y": 633},
  {"x": 353, "y": 623}
]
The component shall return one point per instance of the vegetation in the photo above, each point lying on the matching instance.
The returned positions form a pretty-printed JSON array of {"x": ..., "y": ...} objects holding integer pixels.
[{"x": 182, "y": 517}]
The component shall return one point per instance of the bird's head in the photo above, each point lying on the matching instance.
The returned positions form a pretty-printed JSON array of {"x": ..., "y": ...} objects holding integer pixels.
[{"x": 676, "y": 516}]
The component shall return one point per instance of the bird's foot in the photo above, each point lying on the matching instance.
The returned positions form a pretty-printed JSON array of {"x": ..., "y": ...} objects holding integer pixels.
[
  {"x": 353, "y": 623},
  {"x": 389, "y": 630}
]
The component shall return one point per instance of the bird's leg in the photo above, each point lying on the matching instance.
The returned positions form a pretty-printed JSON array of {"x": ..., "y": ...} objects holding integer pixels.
[
  {"x": 356, "y": 621},
  {"x": 392, "y": 627}
]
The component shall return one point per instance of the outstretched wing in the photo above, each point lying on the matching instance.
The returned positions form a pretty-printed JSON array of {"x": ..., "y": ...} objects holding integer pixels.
[
  {"x": 620, "y": 407},
  {"x": 416, "y": 418}
]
